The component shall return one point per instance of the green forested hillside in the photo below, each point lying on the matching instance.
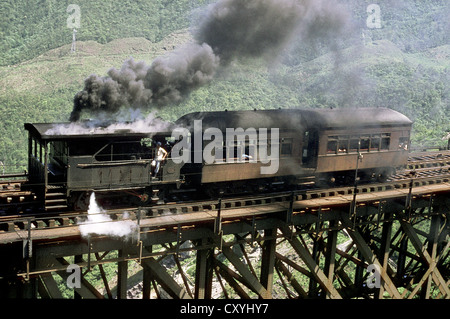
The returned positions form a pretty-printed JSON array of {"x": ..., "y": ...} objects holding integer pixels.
[
  {"x": 404, "y": 65},
  {"x": 30, "y": 28}
]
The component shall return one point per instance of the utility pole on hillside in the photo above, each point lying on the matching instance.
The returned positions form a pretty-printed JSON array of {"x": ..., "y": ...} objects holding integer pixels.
[
  {"x": 73, "y": 22},
  {"x": 74, "y": 40}
]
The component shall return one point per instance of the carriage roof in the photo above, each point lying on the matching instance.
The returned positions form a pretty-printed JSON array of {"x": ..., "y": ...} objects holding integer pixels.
[{"x": 298, "y": 118}]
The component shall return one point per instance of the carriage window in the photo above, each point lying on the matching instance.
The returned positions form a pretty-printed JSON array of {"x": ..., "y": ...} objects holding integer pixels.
[
  {"x": 337, "y": 144},
  {"x": 286, "y": 146},
  {"x": 385, "y": 141},
  {"x": 332, "y": 144},
  {"x": 403, "y": 143},
  {"x": 365, "y": 143},
  {"x": 354, "y": 144},
  {"x": 375, "y": 142},
  {"x": 343, "y": 144}
]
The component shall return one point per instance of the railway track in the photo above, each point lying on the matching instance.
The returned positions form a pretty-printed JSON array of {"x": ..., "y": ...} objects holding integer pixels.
[
  {"x": 422, "y": 169},
  {"x": 70, "y": 219},
  {"x": 429, "y": 160}
]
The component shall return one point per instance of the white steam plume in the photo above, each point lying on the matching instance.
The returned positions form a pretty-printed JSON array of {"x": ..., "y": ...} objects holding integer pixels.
[
  {"x": 149, "y": 124},
  {"x": 99, "y": 223}
]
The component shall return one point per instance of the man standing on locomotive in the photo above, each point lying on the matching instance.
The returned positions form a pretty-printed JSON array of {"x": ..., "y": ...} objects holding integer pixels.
[{"x": 161, "y": 155}]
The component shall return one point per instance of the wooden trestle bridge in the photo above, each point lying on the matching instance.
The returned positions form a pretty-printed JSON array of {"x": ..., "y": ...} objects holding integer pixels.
[{"x": 377, "y": 241}]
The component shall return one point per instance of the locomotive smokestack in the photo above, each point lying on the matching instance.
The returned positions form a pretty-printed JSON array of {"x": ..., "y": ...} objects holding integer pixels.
[{"x": 230, "y": 29}]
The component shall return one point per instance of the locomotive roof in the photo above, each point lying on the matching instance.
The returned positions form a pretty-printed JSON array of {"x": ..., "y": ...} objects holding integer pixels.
[
  {"x": 297, "y": 118},
  {"x": 87, "y": 129}
]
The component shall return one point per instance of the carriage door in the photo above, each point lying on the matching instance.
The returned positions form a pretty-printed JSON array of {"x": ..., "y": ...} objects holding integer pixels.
[{"x": 310, "y": 148}]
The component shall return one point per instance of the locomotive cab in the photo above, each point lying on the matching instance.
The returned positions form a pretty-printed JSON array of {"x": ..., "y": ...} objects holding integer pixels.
[{"x": 66, "y": 164}]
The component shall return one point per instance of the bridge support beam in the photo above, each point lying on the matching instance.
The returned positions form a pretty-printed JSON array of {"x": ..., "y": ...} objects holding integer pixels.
[
  {"x": 268, "y": 260},
  {"x": 330, "y": 255},
  {"x": 122, "y": 276},
  {"x": 314, "y": 254},
  {"x": 204, "y": 272}
]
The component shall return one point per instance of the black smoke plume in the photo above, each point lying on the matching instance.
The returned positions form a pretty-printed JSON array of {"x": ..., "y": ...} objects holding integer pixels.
[
  {"x": 167, "y": 80},
  {"x": 229, "y": 29}
]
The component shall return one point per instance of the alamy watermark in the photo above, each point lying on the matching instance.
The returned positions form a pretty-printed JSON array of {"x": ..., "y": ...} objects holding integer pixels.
[
  {"x": 374, "y": 19},
  {"x": 374, "y": 278},
  {"x": 74, "y": 18},
  {"x": 74, "y": 22},
  {"x": 74, "y": 279},
  {"x": 249, "y": 145}
]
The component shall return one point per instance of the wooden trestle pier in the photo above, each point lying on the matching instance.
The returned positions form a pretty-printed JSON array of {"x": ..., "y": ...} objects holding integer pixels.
[{"x": 388, "y": 243}]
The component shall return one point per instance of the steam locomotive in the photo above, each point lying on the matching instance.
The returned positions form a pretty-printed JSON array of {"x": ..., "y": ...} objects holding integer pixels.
[{"x": 215, "y": 153}]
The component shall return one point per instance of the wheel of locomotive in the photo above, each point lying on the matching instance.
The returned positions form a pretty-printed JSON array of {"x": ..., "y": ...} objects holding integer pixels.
[
  {"x": 366, "y": 176},
  {"x": 79, "y": 201},
  {"x": 349, "y": 178},
  {"x": 242, "y": 187},
  {"x": 259, "y": 186},
  {"x": 383, "y": 174},
  {"x": 143, "y": 199},
  {"x": 161, "y": 195},
  {"x": 214, "y": 191},
  {"x": 326, "y": 180}
]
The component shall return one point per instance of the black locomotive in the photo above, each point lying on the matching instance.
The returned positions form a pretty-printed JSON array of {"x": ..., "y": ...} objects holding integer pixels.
[{"x": 215, "y": 153}]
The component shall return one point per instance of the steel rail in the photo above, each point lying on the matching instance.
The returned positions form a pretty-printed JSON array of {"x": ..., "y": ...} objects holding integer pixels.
[{"x": 184, "y": 210}]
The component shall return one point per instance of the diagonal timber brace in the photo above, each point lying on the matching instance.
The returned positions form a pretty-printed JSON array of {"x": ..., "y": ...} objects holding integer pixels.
[
  {"x": 368, "y": 255},
  {"x": 165, "y": 280},
  {"x": 251, "y": 281},
  {"x": 319, "y": 275},
  {"x": 429, "y": 260},
  {"x": 48, "y": 288}
]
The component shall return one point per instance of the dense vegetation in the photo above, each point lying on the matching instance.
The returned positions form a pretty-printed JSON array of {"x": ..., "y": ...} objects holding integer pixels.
[
  {"x": 404, "y": 65},
  {"x": 29, "y": 28}
]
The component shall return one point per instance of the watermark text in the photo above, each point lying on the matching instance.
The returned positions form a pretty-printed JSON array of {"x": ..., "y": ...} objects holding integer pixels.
[
  {"x": 239, "y": 146},
  {"x": 374, "y": 19}
]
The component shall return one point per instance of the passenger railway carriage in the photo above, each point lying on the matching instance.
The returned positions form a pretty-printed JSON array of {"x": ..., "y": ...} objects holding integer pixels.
[
  {"x": 330, "y": 144},
  {"x": 327, "y": 143}
]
